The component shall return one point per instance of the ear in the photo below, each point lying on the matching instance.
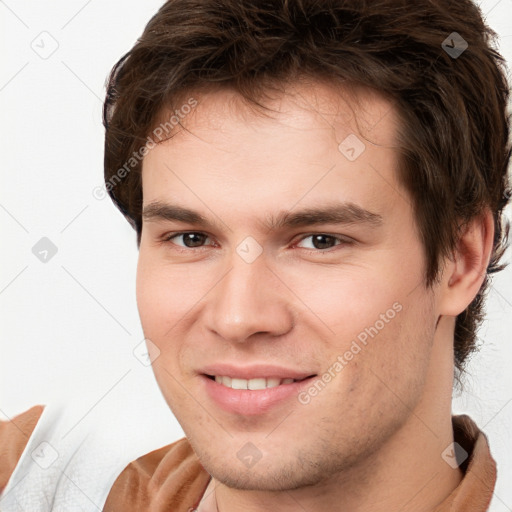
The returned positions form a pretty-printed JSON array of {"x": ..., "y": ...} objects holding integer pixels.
[{"x": 464, "y": 273}]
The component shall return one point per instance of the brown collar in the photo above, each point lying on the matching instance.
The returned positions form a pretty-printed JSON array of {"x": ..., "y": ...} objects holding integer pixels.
[
  {"x": 475, "y": 491},
  {"x": 172, "y": 478}
]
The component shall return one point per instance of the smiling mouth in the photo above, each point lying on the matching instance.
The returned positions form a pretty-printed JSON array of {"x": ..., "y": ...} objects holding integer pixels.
[{"x": 254, "y": 384}]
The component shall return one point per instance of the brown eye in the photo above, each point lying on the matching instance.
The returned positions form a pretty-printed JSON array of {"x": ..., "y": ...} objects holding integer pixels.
[
  {"x": 320, "y": 241},
  {"x": 323, "y": 241},
  {"x": 189, "y": 239}
]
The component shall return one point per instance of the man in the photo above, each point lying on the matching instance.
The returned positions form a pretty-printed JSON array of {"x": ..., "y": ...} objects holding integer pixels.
[{"x": 317, "y": 190}]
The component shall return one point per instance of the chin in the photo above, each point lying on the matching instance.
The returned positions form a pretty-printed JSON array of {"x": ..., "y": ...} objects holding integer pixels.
[
  {"x": 274, "y": 481},
  {"x": 276, "y": 475}
]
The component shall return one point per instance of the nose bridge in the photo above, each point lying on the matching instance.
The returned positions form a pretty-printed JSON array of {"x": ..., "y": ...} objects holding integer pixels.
[{"x": 249, "y": 300}]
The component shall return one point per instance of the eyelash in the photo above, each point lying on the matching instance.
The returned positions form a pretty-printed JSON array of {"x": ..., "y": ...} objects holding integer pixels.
[{"x": 342, "y": 241}]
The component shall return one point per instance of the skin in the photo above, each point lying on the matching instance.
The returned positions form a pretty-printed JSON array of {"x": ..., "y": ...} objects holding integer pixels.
[{"x": 372, "y": 439}]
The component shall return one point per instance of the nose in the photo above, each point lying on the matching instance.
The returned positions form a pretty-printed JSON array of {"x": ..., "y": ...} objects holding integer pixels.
[{"x": 249, "y": 300}]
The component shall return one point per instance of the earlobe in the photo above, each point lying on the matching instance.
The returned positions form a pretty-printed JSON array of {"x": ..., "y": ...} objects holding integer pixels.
[{"x": 466, "y": 270}]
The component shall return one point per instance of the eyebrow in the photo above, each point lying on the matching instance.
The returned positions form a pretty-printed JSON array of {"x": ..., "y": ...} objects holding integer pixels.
[
  {"x": 163, "y": 211},
  {"x": 338, "y": 213}
]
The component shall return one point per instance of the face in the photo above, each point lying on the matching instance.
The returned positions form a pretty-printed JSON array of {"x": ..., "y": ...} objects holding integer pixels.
[{"x": 277, "y": 259}]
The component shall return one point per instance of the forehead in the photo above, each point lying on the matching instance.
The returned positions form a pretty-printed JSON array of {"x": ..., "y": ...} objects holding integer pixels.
[
  {"x": 226, "y": 151},
  {"x": 314, "y": 104}
]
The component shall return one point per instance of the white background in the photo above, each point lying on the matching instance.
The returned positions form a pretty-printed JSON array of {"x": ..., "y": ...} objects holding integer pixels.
[{"x": 69, "y": 326}]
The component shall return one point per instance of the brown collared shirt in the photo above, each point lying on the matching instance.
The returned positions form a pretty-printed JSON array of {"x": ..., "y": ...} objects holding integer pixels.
[{"x": 172, "y": 478}]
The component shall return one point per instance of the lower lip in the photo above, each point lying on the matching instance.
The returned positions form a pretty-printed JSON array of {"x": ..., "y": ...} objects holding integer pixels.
[{"x": 252, "y": 402}]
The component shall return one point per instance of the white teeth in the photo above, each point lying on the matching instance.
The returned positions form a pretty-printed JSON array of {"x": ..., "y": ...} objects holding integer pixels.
[
  {"x": 272, "y": 383},
  {"x": 253, "y": 384},
  {"x": 256, "y": 384},
  {"x": 238, "y": 383}
]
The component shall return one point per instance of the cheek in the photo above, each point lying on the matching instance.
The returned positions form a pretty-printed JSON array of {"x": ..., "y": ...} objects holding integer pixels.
[
  {"x": 348, "y": 302},
  {"x": 165, "y": 293},
  {"x": 164, "y": 296},
  {"x": 152, "y": 298},
  {"x": 379, "y": 331},
  {"x": 397, "y": 349},
  {"x": 387, "y": 372}
]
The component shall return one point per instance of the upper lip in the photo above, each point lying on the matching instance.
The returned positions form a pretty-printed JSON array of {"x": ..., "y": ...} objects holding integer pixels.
[{"x": 254, "y": 371}]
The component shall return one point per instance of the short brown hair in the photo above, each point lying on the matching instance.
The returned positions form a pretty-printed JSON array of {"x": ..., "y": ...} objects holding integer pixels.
[{"x": 454, "y": 133}]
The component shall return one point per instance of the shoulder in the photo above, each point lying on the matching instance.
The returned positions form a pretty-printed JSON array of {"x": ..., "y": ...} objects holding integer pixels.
[
  {"x": 14, "y": 436},
  {"x": 168, "y": 478},
  {"x": 171, "y": 478}
]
